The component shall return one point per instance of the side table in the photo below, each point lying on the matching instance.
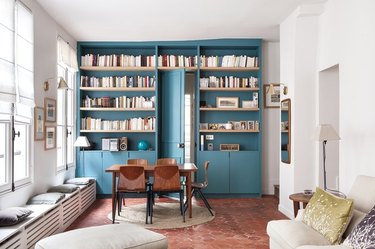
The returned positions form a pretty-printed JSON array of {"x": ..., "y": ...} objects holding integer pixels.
[{"x": 297, "y": 199}]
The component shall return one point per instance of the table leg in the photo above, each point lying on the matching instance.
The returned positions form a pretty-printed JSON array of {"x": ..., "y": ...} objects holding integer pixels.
[
  {"x": 295, "y": 207},
  {"x": 113, "y": 197},
  {"x": 188, "y": 193}
]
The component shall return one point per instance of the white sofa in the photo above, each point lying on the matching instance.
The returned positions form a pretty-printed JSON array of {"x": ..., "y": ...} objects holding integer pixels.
[{"x": 291, "y": 234}]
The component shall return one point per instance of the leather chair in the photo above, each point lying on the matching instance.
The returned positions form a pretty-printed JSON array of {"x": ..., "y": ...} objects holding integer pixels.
[
  {"x": 167, "y": 180},
  {"x": 132, "y": 180},
  {"x": 166, "y": 161},
  {"x": 197, "y": 188}
]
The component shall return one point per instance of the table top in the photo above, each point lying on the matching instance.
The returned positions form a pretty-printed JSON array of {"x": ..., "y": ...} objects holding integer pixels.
[
  {"x": 186, "y": 167},
  {"x": 301, "y": 197}
]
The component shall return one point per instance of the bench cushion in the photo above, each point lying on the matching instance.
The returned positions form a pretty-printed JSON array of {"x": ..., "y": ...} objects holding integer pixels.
[
  {"x": 80, "y": 180},
  {"x": 13, "y": 215},
  {"x": 114, "y": 236},
  {"x": 64, "y": 188}
]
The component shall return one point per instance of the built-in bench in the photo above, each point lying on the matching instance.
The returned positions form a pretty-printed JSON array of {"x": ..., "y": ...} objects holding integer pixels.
[{"x": 47, "y": 220}]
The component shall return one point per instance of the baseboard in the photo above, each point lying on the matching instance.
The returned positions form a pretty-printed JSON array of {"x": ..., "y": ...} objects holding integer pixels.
[{"x": 286, "y": 212}]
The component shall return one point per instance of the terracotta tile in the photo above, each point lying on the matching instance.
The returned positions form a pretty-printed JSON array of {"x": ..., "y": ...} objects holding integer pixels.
[{"x": 239, "y": 223}]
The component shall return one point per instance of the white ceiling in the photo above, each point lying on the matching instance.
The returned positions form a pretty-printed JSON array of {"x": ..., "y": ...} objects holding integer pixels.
[{"x": 153, "y": 20}]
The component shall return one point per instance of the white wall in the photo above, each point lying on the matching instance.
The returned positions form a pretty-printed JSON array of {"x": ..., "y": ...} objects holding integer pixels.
[
  {"x": 45, "y": 58},
  {"x": 271, "y": 121},
  {"x": 344, "y": 36}
]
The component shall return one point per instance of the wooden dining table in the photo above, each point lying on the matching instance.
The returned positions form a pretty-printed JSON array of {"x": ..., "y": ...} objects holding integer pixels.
[{"x": 186, "y": 170}]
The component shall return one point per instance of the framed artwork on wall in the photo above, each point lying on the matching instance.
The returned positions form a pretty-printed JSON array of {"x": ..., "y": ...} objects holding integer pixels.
[
  {"x": 271, "y": 97},
  {"x": 50, "y": 138},
  {"x": 50, "y": 109},
  {"x": 38, "y": 123}
]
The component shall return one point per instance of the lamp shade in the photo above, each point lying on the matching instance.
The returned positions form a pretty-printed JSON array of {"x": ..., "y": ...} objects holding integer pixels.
[
  {"x": 81, "y": 141},
  {"x": 325, "y": 132},
  {"x": 62, "y": 84}
]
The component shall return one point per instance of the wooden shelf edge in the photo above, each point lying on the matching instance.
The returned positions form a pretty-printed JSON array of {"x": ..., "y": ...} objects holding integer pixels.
[
  {"x": 113, "y": 109},
  {"x": 98, "y": 68},
  {"x": 116, "y": 131}
]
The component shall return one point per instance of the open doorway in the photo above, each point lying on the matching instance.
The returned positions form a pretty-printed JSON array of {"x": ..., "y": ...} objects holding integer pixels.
[{"x": 329, "y": 113}]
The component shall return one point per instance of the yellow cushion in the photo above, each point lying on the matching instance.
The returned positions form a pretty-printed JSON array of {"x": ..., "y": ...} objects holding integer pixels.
[{"x": 328, "y": 214}]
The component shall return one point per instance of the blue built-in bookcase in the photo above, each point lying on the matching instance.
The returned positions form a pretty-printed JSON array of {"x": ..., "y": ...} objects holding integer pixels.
[{"x": 227, "y": 77}]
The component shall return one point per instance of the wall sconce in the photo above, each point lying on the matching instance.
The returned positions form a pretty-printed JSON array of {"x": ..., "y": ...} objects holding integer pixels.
[
  {"x": 285, "y": 88},
  {"x": 62, "y": 85}
]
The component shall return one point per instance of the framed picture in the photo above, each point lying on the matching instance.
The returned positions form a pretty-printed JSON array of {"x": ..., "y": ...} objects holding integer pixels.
[
  {"x": 38, "y": 123},
  {"x": 227, "y": 102},
  {"x": 251, "y": 125},
  {"x": 271, "y": 98},
  {"x": 50, "y": 138},
  {"x": 247, "y": 104},
  {"x": 236, "y": 125},
  {"x": 244, "y": 125},
  {"x": 203, "y": 126},
  {"x": 229, "y": 147},
  {"x": 50, "y": 109}
]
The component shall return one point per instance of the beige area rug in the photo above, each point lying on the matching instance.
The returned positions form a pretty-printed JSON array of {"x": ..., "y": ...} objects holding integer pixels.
[{"x": 166, "y": 216}]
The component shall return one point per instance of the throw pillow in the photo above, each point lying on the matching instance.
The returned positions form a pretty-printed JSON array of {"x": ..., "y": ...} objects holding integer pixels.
[
  {"x": 328, "y": 214},
  {"x": 363, "y": 235},
  {"x": 64, "y": 188},
  {"x": 80, "y": 180},
  {"x": 13, "y": 215},
  {"x": 47, "y": 198}
]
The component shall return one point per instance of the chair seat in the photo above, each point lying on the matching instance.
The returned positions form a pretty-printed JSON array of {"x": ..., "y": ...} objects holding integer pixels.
[{"x": 197, "y": 185}]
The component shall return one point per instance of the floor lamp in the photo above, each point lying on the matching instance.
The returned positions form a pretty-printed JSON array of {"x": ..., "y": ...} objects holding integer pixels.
[
  {"x": 324, "y": 133},
  {"x": 83, "y": 142}
]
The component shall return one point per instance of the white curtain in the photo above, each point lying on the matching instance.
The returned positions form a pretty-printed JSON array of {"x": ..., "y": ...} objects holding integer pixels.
[
  {"x": 16, "y": 59},
  {"x": 67, "y": 55}
]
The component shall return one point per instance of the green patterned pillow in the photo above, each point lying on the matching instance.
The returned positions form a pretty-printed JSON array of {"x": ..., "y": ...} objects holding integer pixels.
[{"x": 328, "y": 214}]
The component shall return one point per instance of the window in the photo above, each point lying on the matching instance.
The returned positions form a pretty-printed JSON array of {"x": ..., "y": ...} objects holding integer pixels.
[
  {"x": 66, "y": 69},
  {"x": 16, "y": 95}
]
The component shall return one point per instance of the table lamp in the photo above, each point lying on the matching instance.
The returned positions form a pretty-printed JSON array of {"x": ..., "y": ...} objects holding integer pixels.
[
  {"x": 324, "y": 133},
  {"x": 83, "y": 142}
]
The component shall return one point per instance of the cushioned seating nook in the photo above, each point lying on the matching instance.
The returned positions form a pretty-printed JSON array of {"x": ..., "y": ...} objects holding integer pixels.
[{"x": 117, "y": 236}]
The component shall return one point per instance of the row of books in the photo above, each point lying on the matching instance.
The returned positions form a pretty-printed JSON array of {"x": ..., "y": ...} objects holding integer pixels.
[
  {"x": 119, "y": 102},
  {"x": 229, "y": 61},
  {"x": 177, "y": 61},
  {"x": 132, "y": 124},
  {"x": 118, "y": 60},
  {"x": 117, "y": 81},
  {"x": 228, "y": 82}
]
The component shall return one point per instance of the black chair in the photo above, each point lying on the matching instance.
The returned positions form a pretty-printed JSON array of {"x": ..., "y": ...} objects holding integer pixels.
[{"x": 197, "y": 188}]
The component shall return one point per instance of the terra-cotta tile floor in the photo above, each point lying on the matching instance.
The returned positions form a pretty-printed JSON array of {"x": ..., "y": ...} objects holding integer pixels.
[{"x": 238, "y": 223}]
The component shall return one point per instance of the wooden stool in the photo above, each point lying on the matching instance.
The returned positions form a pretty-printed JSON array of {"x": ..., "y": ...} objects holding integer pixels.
[{"x": 297, "y": 199}]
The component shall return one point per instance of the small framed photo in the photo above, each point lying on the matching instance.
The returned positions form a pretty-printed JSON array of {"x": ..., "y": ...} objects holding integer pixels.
[
  {"x": 236, "y": 125},
  {"x": 50, "y": 138},
  {"x": 251, "y": 125},
  {"x": 247, "y": 104},
  {"x": 38, "y": 123},
  {"x": 272, "y": 97},
  {"x": 50, "y": 109},
  {"x": 227, "y": 102},
  {"x": 203, "y": 126},
  {"x": 229, "y": 147},
  {"x": 244, "y": 125},
  {"x": 213, "y": 126}
]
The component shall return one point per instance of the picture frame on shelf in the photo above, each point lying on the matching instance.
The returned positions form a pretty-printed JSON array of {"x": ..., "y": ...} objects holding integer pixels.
[
  {"x": 227, "y": 102},
  {"x": 244, "y": 125},
  {"x": 251, "y": 125},
  {"x": 247, "y": 104},
  {"x": 38, "y": 123},
  {"x": 271, "y": 100},
  {"x": 50, "y": 137},
  {"x": 229, "y": 147},
  {"x": 203, "y": 126},
  {"x": 236, "y": 125},
  {"x": 213, "y": 126},
  {"x": 50, "y": 109}
]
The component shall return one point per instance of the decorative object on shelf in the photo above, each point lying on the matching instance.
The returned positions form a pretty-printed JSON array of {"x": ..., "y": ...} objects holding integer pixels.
[
  {"x": 50, "y": 138},
  {"x": 82, "y": 142},
  {"x": 38, "y": 123},
  {"x": 229, "y": 147},
  {"x": 50, "y": 109},
  {"x": 123, "y": 143},
  {"x": 324, "y": 133},
  {"x": 271, "y": 95},
  {"x": 247, "y": 104},
  {"x": 203, "y": 126},
  {"x": 210, "y": 146},
  {"x": 227, "y": 102},
  {"x": 143, "y": 145}
]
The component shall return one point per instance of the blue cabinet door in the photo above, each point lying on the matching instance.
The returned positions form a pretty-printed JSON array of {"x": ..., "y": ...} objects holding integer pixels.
[
  {"x": 110, "y": 158},
  {"x": 218, "y": 171},
  {"x": 90, "y": 165},
  {"x": 150, "y": 156},
  {"x": 245, "y": 177}
]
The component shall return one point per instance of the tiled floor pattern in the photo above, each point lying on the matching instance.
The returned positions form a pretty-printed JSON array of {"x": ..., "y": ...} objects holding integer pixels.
[{"x": 239, "y": 223}]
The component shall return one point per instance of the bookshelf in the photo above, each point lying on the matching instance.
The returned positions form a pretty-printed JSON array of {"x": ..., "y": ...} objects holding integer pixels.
[{"x": 111, "y": 73}]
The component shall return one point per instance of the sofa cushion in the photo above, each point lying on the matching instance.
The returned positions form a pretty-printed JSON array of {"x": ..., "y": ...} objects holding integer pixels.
[
  {"x": 13, "y": 215},
  {"x": 290, "y": 234},
  {"x": 324, "y": 247},
  {"x": 328, "y": 214},
  {"x": 114, "y": 236},
  {"x": 363, "y": 236}
]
